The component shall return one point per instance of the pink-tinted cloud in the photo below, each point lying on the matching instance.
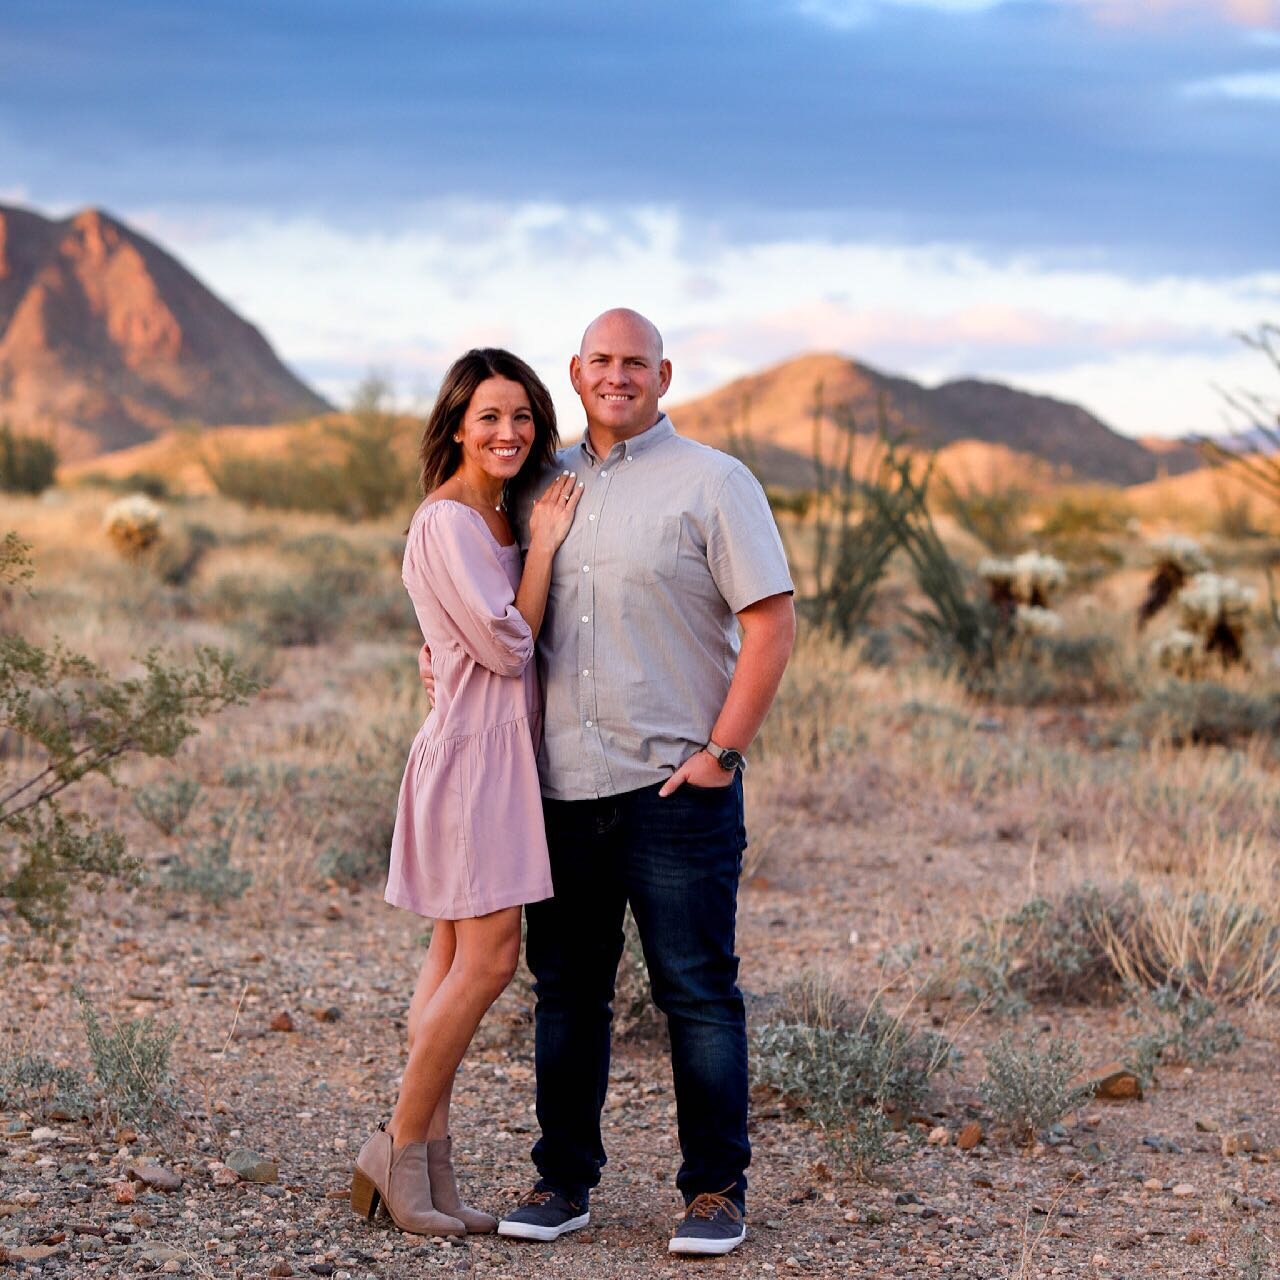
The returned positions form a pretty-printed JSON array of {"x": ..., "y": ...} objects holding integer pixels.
[{"x": 1257, "y": 14}]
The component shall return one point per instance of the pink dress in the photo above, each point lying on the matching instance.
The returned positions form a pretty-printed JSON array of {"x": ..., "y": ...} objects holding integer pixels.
[{"x": 469, "y": 837}]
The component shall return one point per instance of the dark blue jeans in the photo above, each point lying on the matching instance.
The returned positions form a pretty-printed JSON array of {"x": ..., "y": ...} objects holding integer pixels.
[{"x": 676, "y": 861}]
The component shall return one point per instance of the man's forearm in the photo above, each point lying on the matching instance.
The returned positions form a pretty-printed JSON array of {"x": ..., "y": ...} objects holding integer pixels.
[{"x": 768, "y": 635}]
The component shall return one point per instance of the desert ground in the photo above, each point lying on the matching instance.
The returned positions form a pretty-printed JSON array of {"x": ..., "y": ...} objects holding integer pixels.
[{"x": 900, "y": 820}]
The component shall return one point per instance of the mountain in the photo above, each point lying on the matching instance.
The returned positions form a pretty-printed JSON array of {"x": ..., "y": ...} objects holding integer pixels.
[
  {"x": 106, "y": 340},
  {"x": 773, "y": 411}
]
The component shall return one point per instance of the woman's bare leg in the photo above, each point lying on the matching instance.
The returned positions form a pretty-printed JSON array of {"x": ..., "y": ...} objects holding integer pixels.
[
  {"x": 485, "y": 953},
  {"x": 435, "y": 967}
]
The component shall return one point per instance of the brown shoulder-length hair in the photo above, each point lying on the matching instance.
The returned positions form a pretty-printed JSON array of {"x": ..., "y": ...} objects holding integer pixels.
[{"x": 440, "y": 454}]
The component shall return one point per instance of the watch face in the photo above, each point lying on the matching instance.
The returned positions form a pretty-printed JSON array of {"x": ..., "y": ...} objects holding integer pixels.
[{"x": 730, "y": 759}]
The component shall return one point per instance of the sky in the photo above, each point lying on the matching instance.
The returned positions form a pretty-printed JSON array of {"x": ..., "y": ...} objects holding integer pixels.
[{"x": 1074, "y": 196}]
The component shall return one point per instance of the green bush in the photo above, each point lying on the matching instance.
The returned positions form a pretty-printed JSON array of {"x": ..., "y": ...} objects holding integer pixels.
[
  {"x": 1049, "y": 948},
  {"x": 1027, "y": 1087},
  {"x": 27, "y": 464},
  {"x": 206, "y": 871},
  {"x": 852, "y": 1072},
  {"x": 30, "y": 1082},
  {"x": 1203, "y": 712},
  {"x": 1179, "y": 1028},
  {"x": 365, "y": 480},
  {"x": 167, "y": 803},
  {"x": 75, "y": 720},
  {"x": 130, "y": 1061}
]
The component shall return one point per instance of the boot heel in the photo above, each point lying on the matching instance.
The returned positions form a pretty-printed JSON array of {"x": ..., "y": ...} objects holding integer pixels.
[{"x": 364, "y": 1196}]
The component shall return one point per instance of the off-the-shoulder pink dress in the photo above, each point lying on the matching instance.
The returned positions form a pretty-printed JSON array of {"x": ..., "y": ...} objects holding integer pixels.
[{"x": 469, "y": 837}]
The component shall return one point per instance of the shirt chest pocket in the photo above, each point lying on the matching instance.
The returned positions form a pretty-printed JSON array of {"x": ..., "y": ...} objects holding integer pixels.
[{"x": 646, "y": 548}]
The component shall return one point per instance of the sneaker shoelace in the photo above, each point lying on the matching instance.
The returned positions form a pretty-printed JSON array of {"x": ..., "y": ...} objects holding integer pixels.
[
  {"x": 709, "y": 1203},
  {"x": 537, "y": 1197}
]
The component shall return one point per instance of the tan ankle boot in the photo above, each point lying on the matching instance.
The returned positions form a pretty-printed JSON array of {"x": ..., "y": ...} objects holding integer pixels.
[
  {"x": 444, "y": 1189},
  {"x": 399, "y": 1178}
]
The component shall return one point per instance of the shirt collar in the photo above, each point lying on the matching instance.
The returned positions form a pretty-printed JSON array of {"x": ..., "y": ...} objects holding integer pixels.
[{"x": 660, "y": 431}]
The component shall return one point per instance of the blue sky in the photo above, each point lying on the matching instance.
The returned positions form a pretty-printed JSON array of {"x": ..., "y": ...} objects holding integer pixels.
[{"x": 1075, "y": 195}]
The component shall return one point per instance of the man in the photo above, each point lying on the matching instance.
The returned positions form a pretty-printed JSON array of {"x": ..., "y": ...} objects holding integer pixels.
[{"x": 652, "y": 702}]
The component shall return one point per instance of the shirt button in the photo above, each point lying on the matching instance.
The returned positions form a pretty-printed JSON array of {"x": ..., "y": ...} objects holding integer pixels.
[
  {"x": 603, "y": 474},
  {"x": 592, "y": 516},
  {"x": 586, "y": 568},
  {"x": 586, "y": 617},
  {"x": 586, "y": 671},
  {"x": 629, "y": 457},
  {"x": 588, "y": 724}
]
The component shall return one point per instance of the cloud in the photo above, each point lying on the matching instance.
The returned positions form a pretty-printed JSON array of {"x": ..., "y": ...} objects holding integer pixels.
[
  {"x": 1255, "y": 14},
  {"x": 1243, "y": 13},
  {"x": 338, "y": 301},
  {"x": 1249, "y": 86}
]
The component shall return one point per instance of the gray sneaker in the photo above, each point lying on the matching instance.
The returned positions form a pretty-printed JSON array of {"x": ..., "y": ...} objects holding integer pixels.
[
  {"x": 544, "y": 1214},
  {"x": 712, "y": 1224}
]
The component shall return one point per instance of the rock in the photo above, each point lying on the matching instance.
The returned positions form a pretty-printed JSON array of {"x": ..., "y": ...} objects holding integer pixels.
[
  {"x": 969, "y": 1136},
  {"x": 1153, "y": 1184},
  {"x": 224, "y": 1177},
  {"x": 1235, "y": 1143},
  {"x": 283, "y": 1021},
  {"x": 125, "y": 1193},
  {"x": 42, "y": 1135},
  {"x": 249, "y": 1166},
  {"x": 1184, "y": 1189},
  {"x": 329, "y": 1014},
  {"x": 1166, "y": 1145},
  {"x": 939, "y": 1137},
  {"x": 155, "y": 1176},
  {"x": 280, "y": 1268},
  {"x": 1204, "y": 1125},
  {"x": 1114, "y": 1081}
]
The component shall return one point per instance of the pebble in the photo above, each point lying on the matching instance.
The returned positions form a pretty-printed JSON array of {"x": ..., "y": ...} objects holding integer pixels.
[
  {"x": 249, "y": 1166},
  {"x": 155, "y": 1176},
  {"x": 1184, "y": 1189},
  {"x": 969, "y": 1136}
]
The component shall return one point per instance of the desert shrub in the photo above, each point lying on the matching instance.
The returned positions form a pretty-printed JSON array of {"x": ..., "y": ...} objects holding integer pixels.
[
  {"x": 1204, "y": 712},
  {"x": 365, "y": 478},
  {"x": 1049, "y": 948},
  {"x": 175, "y": 559},
  {"x": 1179, "y": 1027},
  {"x": 130, "y": 1061},
  {"x": 1056, "y": 670},
  {"x": 360, "y": 799},
  {"x": 134, "y": 524},
  {"x": 205, "y": 870},
  {"x": 1030, "y": 580},
  {"x": 167, "y": 803},
  {"x": 27, "y": 464},
  {"x": 850, "y": 1071},
  {"x": 79, "y": 721},
  {"x": 30, "y": 1082},
  {"x": 994, "y": 514},
  {"x": 1028, "y": 1087},
  {"x": 1085, "y": 514}
]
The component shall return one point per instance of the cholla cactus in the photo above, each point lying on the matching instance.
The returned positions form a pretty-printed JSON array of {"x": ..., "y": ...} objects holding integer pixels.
[
  {"x": 1028, "y": 579},
  {"x": 133, "y": 524},
  {"x": 1216, "y": 610},
  {"x": 1031, "y": 620},
  {"x": 1179, "y": 651},
  {"x": 1177, "y": 558}
]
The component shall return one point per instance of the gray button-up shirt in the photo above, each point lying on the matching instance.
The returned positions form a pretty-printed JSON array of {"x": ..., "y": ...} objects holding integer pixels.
[{"x": 638, "y": 646}]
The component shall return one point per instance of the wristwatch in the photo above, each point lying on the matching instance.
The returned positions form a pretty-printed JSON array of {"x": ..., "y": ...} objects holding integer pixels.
[{"x": 726, "y": 757}]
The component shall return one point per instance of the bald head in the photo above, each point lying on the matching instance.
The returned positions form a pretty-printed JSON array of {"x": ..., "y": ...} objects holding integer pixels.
[
  {"x": 619, "y": 374},
  {"x": 621, "y": 324}
]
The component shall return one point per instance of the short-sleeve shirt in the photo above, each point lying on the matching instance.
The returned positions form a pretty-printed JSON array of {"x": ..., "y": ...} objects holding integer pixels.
[{"x": 637, "y": 649}]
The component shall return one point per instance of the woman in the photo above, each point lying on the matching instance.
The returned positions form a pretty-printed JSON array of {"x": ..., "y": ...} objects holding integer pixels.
[{"x": 469, "y": 847}]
